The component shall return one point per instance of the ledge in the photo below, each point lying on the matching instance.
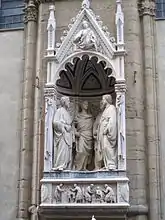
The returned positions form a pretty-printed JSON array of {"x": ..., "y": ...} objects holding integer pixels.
[
  {"x": 84, "y": 211},
  {"x": 56, "y": 175}
]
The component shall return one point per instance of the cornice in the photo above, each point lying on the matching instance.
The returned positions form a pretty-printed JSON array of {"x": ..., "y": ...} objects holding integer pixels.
[{"x": 147, "y": 7}]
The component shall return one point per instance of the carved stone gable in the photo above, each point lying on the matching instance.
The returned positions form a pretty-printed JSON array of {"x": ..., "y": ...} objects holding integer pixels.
[{"x": 87, "y": 23}]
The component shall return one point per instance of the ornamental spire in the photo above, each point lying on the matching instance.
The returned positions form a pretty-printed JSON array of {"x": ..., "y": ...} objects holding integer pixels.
[
  {"x": 119, "y": 23},
  {"x": 51, "y": 28},
  {"x": 86, "y": 4}
]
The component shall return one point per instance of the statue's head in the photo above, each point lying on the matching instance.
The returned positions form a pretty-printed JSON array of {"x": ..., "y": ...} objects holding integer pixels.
[
  {"x": 84, "y": 105},
  {"x": 107, "y": 99},
  {"x": 101, "y": 105},
  {"x": 65, "y": 101},
  {"x": 106, "y": 185},
  {"x": 75, "y": 185},
  {"x": 92, "y": 185},
  {"x": 61, "y": 184},
  {"x": 85, "y": 24}
]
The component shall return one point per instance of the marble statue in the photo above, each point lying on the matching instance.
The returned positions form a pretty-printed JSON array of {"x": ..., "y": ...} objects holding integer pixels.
[
  {"x": 58, "y": 193},
  {"x": 99, "y": 195},
  {"x": 84, "y": 138},
  {"x": 88, "y": 193},
  {"x": 78, "y": 193},
  {"x": 98, "y": 152},
  {"x": 85, "y": 38},
  {"x": 107, "y": 133},
  {"x": 62, "y": 125},
  {"x": 109, "y": 194}
]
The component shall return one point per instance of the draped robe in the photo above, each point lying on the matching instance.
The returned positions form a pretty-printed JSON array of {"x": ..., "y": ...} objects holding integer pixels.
[
  {"x": 62, "y": 139},
  {"x": 107, "y": 136},
  {"x": 84, "y": 142}
]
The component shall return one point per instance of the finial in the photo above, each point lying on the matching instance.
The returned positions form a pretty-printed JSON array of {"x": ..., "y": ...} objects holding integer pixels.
[
  {"x": 86, "y": 4},
  {"x": 120, "y": 23},
  {"x": 51, "y": 28}
]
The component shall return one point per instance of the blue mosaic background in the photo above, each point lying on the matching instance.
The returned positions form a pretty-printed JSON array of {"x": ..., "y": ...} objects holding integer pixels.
[{"x": 11, "y": 13}]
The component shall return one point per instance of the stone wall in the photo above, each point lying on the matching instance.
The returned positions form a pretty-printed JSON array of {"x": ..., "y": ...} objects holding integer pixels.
[{"x": 11, "y": 63}]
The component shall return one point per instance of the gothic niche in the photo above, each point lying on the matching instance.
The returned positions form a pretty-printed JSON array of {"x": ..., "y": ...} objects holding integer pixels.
[
  {"x": 86, "y": 78},
  {"x": 84, "y": 125}
]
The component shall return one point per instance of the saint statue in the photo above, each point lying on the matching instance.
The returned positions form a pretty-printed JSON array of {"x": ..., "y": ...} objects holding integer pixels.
[
  {"x": 62, "y": 125},
  {"x": 107, "y": 133},
  {"x": 85, "y": 38},
  {"x": 84, "y": 138}
]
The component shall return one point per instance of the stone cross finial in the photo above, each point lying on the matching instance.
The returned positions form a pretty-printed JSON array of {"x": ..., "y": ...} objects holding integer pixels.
[
  {"x": 51, "y": 28},
  {"x": 86, "y": 4}
]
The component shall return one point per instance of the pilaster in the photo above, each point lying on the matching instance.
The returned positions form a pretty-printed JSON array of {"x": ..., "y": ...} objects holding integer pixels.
[
  {"x": 27, "y": 112},
  {"x": 120, "y": 89},
  {"x": 147, "y": 13},
  {"x": 50, "y": 97},
  {"x": 136, "y": 159}
]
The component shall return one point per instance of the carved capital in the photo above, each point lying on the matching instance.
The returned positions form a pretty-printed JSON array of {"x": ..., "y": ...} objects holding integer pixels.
[
  {"x": 120, "y": 86},
  {"x": 147, "y": 7},
  {"x": 31, "y": 12},
  {"x": 50, "y": 90}
]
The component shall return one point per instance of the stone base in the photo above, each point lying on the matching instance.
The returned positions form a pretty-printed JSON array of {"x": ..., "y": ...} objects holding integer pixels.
[
  {"x": 83, "y": 212},
  {"x": 85, "y": 189}
]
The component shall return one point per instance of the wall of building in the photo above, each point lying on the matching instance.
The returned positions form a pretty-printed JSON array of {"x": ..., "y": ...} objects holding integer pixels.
[{"x": 11, "y": 72}]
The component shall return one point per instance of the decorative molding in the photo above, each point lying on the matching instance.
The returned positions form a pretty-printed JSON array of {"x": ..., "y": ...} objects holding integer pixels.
[
  {"x": 120, "y": 86},
  {"x": 147, "y": 7},
  {"x": 49, "y": 90},
  {"x": 31, "y": 13}
]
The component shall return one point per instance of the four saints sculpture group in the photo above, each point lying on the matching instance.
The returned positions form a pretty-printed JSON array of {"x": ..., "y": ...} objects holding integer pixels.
[
  {"x": 84, "y": 133},
  {"x": 88, "y": 194}
]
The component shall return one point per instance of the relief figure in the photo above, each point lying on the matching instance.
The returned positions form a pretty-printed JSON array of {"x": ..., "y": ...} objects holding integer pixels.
[
  {"x": 109, "y": 194},
  {"x": 88, "y": 193},
  {"x": 85, "y": 38},
  {"x": 58, "y": 193},
  {"x": 78, "y": 193}
]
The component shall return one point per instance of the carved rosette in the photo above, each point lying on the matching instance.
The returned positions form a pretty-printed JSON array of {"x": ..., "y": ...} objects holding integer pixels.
[
  {"x": 147, "y": 8},
  {"x": 31, "y": 13}
]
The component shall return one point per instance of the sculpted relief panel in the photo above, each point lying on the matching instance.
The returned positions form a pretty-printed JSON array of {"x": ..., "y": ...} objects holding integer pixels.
[
  {"x": 81, "y": 141},
  {"x": 78, "y": 193}
]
